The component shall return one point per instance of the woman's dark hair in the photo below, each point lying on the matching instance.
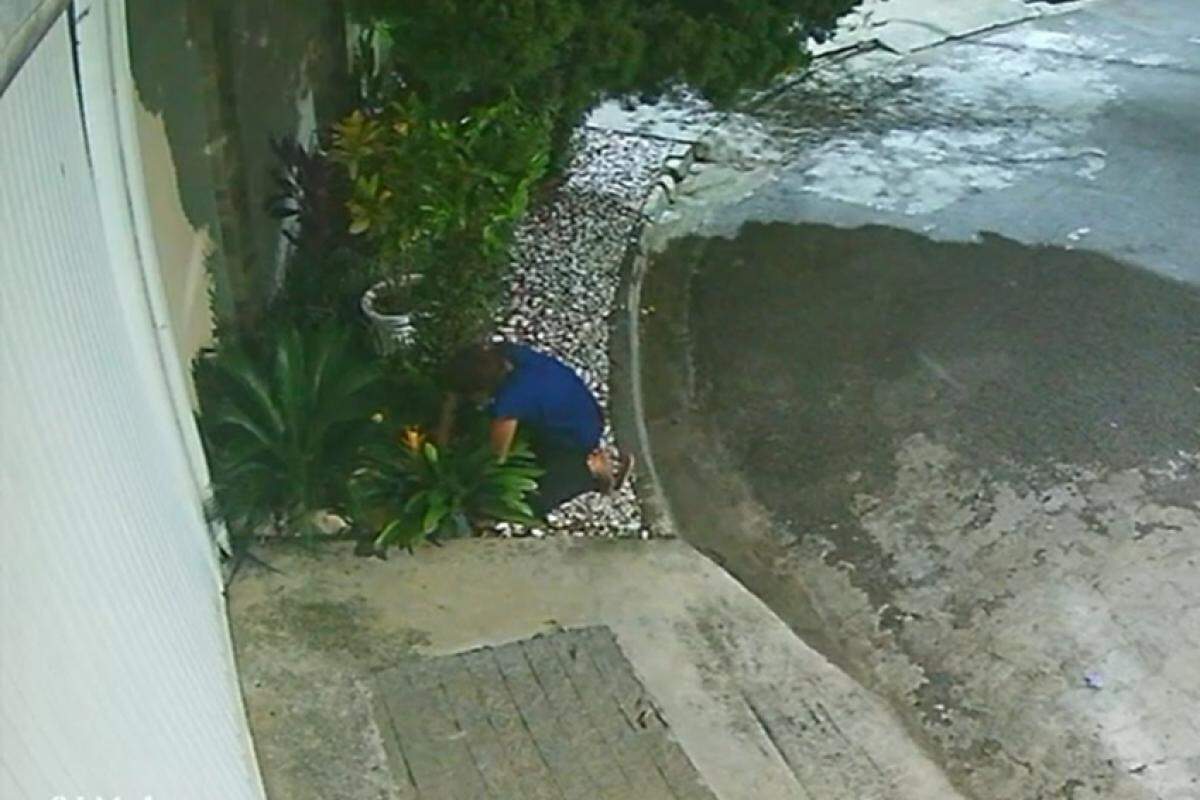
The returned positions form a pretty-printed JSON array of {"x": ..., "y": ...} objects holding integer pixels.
[{"x": 476, "y": 369}]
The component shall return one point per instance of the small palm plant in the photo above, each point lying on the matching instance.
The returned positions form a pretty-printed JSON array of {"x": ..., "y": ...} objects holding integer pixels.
[
  {"x": 283, "y": 423},
  {"x": 417, "y": 492}
]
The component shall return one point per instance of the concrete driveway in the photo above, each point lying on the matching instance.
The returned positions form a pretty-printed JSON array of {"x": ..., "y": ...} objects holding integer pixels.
[
  {"x": 958, "y": 450},
  {"x": 486, "y": 669}
]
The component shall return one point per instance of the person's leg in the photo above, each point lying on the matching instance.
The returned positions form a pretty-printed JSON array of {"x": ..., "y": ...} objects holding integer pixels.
[{"x": 566, "y": 475}]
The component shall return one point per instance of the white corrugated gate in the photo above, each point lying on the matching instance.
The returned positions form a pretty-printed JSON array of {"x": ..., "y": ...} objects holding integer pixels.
[{"x": 116, "y": 674}]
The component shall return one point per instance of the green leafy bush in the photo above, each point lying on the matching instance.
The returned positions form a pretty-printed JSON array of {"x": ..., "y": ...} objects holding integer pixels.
[
  {"x": 420, "y": 181},
  {"x": 440, "y": 198},
  {"x": 567, "y": 55},
  {"x": 412, "y": 491},
  {"x": 326, "y": 273},
  {"x": 283, "y": 421},
  {"x": 456, "y": 304}
]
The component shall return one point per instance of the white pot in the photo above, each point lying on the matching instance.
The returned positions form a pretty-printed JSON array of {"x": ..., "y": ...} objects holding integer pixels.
[{"x": 393, "y": 331}]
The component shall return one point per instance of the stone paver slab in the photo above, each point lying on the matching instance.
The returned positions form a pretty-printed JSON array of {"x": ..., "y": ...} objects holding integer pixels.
[{"x": 556, "y": 716}]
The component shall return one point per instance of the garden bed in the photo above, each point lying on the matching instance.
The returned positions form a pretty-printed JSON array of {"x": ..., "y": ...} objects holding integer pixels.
[{"x": 435, "y": 180}]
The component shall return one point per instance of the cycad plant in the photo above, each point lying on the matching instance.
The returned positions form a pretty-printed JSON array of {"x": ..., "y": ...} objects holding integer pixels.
[
  {"x": 409, "y": 492},
  {"x": 283, "y": 422}
]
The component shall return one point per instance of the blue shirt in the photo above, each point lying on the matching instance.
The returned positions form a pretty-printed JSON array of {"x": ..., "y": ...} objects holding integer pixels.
[{"x": 547, "y": 395}]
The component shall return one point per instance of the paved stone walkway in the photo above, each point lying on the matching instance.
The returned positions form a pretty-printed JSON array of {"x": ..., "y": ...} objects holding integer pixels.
[{"x": 558, "y": 716}]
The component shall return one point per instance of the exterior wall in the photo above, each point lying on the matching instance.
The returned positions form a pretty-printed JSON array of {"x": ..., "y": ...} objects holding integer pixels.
[
  {"x": 180, "y": 153},
  {"x": 182, "y": 249},
  {"x": 13, "y": 15},
  {"x": 116, "y": 673},
  {"x": 214, "y": 80},
  {"x": 22, "y": 23}
]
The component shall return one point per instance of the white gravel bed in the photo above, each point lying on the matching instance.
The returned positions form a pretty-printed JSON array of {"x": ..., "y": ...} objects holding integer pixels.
[{"x": 564, "y": 285}]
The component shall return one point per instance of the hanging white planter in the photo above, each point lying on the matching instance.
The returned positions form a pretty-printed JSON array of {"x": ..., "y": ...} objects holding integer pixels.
[{"x": 394, "y": 331}]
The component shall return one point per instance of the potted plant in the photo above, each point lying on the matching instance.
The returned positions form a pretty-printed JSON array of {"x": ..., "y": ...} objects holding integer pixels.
[
  {"x": 426, "y": 191},
  {"x": 390, "y": 305}
]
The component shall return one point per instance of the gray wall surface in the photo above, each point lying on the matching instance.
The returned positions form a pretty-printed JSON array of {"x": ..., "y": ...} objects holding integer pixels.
[{"x": 22, "y": 25}]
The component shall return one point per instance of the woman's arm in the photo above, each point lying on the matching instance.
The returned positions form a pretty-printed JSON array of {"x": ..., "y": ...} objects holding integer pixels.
[{"x": 504, "y": 430}]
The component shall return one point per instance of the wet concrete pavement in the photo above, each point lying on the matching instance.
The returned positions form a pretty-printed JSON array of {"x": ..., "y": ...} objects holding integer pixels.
[
  {"x": 1023, "y": 358},
  {"x": 1077, "y": 129},
  {"x": 966, "y": 467}
]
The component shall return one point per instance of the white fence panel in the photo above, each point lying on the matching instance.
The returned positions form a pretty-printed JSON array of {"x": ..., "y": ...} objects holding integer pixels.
[{"x": 116, "y": 676}]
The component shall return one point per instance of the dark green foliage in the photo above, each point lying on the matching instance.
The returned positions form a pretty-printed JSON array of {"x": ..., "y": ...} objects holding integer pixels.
[
  {"x": 410, "y": 491},
  {"x": 419, "y": 181},
  {"x": 412, "y": 395},
  {"x": 311, "y": 190},
  {"x": 457, "y": 300},
  {"x": 327, "y": 272},
  {"x": 374, "y": 85},
  {"x": 283, "y": 421},
  {"x": 441, "y": 198},
  {"x": 566, "y": 55},
  {"x": 320, "y": 287},
  {"x": 298, "y": 422}
]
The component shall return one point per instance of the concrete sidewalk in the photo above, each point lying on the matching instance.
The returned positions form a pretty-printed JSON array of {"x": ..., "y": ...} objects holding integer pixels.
[{"x": 758, "y": 713}]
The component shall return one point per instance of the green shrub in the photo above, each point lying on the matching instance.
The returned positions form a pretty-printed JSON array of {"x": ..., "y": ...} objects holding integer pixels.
[
  {"x": 311, "y": 190},
  {"x": 456, "y": 304},
  {"x": 327, "y": 270},
  {"x": 411, "y": 491},
  {"x": 413, "y": 395},
  {"x": 283, "y": 421},
  {"x": 441, "y": 198},
  {"x": 420, "y": 182},
  {"x": 567, "y": 55}
]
